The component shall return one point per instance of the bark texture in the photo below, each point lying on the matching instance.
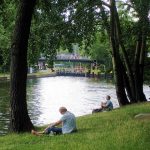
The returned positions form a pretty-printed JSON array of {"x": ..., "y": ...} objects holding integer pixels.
[{"x": 19, "y": 118}]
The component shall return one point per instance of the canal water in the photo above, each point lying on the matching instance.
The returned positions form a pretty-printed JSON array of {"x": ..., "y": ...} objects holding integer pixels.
[{"x": 45, "y": 95}]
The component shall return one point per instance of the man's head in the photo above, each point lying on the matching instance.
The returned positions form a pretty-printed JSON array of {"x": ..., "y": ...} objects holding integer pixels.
[
  {"x": 62, "y": 110},
  {"x": 108, "y": 97}
]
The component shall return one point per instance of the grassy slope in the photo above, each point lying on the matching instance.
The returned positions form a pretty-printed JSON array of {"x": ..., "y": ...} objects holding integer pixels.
[
  {"x": 39, "y": 73},
  {"x": 116, "y": 130}
]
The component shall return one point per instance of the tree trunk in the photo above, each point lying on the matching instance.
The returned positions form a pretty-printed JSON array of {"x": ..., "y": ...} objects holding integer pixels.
[
  {"x": 127, "y": 84},
  {"x": 120, "y": 90},
  {"x": 140, "y": 56},
  {"x": 20, "y": 120},
  {"x": 129, "y": 71},
  {"x": 141, "y": 67},
  {"x": 120, "y": 82},
  {"x": 112, "y": 34},
  {"x": 133, "y": 78}
]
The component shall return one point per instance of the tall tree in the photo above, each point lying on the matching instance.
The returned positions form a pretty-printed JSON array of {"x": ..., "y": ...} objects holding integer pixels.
[
  {"x": 133, "y": 71},
  {"x": 20, "y": 120}
]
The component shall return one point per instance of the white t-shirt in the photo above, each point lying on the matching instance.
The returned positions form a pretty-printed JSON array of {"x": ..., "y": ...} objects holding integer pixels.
[{"x": 68, "y": 122}]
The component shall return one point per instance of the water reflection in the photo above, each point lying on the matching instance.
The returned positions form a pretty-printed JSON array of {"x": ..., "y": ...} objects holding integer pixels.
[
  {"x": 46, "y": 95},
  {"x": 4, "y": 107}
]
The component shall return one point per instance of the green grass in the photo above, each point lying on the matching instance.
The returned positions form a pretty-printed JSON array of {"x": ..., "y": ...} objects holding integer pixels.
[
  {"x": 42, "y": 73},
  {"x": 37, "y": 74},
  {"x": 4, "y": 75},
  {"x": 115, "y": 130}
]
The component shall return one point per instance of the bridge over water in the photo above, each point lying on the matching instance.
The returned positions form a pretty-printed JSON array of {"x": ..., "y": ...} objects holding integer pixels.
[
  {"x": 76, "y": 65},
  {"x": 71, "y": 65}
]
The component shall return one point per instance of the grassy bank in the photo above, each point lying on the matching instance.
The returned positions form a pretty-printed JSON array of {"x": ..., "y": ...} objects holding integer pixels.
[
  {"x": 116, "y": 130},
  {"x": 39, "y": 74},
  {"x": 45, "y": 73}
]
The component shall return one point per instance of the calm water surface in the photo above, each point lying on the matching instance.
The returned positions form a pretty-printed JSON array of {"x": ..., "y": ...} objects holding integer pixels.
[{"x": 46, "y": 95}]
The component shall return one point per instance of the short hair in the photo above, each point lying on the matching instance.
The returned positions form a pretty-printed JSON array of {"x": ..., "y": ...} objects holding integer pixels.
[
  {"x": 63, "y": 109},
  {"x": 108, "y": 97}
]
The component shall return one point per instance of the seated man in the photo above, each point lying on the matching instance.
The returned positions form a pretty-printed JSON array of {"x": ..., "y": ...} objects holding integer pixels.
[
  {"x": 105, "y": 106},
  {"x": 68, "y": 122}
]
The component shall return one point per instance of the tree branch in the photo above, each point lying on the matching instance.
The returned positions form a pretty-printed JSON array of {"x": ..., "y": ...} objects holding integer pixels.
[{"x": 105, "y": 4}]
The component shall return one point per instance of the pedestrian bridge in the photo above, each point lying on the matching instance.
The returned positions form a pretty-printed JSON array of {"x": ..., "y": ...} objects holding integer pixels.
[{"x": 76, "y": 65}]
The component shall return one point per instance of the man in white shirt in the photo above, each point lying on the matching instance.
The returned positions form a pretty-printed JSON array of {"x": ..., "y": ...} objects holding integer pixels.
[{"x": 67, "y": 121}]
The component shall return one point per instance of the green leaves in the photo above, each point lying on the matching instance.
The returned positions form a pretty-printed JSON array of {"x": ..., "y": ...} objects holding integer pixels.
[
  {"x": 59, "y": 23},
  {"x": 7, "y": 21}
]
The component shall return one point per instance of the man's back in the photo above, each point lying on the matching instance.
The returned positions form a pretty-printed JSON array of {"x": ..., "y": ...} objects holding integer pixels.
[
  {"x": 68, "y": 122},
  {"x": 109, "y": 104}
]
